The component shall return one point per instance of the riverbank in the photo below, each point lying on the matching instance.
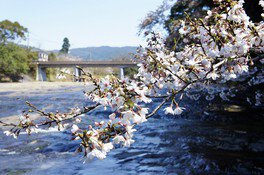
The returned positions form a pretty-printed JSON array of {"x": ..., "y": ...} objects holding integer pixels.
[{"x": 37, "y": 86}]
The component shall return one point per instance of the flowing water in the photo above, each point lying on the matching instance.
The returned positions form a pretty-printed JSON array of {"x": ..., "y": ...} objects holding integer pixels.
[{"x": 219, "y": 143}]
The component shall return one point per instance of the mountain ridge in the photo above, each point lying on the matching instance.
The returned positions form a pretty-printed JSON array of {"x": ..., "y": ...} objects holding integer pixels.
[{"x": 103, "y": 52}]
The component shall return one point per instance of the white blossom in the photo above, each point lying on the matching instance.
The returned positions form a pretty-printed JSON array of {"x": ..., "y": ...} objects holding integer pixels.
[
  {"x": 118, "y": 138},
  {"x": 178, "y": 110},
  {"x": 75, "y": 128},
  {"x": 96, "y": 153},
  {"x": 213, "y": 75},
  {"x": 112, "y": 116},
  {"x": 107, "y": 147},
  {"x": 8, "y": 133},
  {"x": 128, "y": 141},
  {"x": 169, "y": 110}
]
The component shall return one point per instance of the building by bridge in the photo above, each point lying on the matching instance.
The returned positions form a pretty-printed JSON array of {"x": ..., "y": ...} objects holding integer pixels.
[
  {"x": 42, "y": 65},
  {"x": 43, "y": 56}
]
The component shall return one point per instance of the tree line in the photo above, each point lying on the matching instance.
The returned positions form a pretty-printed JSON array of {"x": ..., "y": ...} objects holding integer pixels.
[{"x": 15, "y": 59}]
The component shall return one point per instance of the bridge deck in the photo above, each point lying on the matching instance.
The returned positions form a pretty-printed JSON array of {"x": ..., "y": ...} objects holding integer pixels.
[{"x": 85, "y": 63}]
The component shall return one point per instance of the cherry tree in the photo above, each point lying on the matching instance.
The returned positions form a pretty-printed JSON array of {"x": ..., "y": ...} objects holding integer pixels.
[{"x": 228, "y": 49}]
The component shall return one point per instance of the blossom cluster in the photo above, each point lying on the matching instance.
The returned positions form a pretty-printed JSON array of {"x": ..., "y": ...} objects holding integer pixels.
[
  {"x": 25, "y": 123},
  {"x": 123, "y": 98},
  {"x": 224, "y": 40},
  {"x": 225, "y": 46}
]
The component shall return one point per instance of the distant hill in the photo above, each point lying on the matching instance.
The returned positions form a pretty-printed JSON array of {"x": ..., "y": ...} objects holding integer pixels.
[{"x": 103, "y": 53}]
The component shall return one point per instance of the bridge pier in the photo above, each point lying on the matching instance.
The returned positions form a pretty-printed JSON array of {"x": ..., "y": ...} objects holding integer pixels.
[
  {"x": 122, "y": 74},
  {"x": 77, "y": 74},
  {"x": 41, "y": 74}
]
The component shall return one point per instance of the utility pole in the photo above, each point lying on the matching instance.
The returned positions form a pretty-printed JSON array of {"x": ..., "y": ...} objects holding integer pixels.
[{"x": 28, "y": 40}]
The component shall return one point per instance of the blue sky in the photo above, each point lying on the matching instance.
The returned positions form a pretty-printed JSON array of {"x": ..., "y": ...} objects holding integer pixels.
[{"x": 84, "y": 22}]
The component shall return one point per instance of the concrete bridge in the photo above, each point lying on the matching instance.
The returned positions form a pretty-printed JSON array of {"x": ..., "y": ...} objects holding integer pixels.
[{"x": 42, "y": 65}]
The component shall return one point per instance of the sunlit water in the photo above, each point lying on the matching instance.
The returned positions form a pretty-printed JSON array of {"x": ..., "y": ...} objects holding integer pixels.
[{"x": 226, "y": 143}]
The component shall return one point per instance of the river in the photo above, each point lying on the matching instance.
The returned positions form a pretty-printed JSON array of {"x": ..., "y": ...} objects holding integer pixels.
[{"x": 194, "y": 143}]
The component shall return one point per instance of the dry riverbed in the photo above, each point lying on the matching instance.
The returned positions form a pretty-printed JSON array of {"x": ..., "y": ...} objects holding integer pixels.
[{"x": 37, "y": 86}]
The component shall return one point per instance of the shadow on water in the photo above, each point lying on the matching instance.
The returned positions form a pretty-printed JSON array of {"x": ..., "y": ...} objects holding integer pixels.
[{"x": 218, "y": 143}]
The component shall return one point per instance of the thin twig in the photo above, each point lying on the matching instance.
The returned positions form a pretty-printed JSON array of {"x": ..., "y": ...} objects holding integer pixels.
[
  {"x": 86, "y": 109},
  {"x": 158, "y": 107},
  {"x": 158, "y": 96}
]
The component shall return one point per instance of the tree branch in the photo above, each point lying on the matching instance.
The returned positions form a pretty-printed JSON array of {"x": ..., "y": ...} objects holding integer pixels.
[{"x": 158, "y": 107}]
